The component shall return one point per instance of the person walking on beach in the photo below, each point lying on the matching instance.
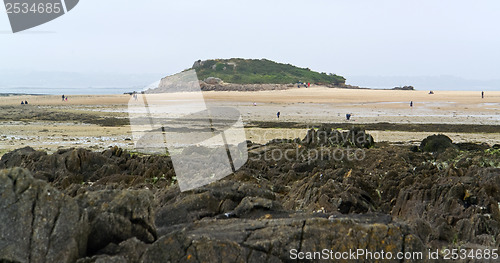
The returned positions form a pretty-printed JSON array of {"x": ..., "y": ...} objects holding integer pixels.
[
  {"x": 482, "y": 94},
  {"x": 411, "y": 104},
  {"x": 278, "y": 115},
  {"x": 63, "y": 97}
]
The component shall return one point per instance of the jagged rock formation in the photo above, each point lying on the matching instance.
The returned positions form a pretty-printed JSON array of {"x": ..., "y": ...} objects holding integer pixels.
[
  {"x": 389, "y": 198},
  {"x": 68, "y": 167},
  {"x": 39, "y": 223},
  {"x": 205, "y": 86},
  {"x": 404, "y": 88},
  {"x": 116, "y": 216},
  {"x": 272, "y": 240}
]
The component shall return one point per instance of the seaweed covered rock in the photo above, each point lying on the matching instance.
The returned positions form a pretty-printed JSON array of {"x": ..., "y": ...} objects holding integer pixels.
[
  {"x": 327, "y": 136},
  {"x": 75, "y": 166},
  {"x": 436, "y": 143},
  {"x": 455, "y": 208}
]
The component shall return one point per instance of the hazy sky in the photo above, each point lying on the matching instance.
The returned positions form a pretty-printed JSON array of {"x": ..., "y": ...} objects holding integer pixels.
[{"x": 387, "y": 38}]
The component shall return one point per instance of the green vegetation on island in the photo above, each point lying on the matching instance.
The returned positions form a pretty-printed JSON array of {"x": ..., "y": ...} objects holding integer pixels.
[{"x": 261, "y": 71}]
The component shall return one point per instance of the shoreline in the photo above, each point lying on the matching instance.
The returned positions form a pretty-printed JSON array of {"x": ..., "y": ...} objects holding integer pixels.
[
  {"x": 100, "y": 121},
  {"x": 56, "y": 136},
  {"x": 385, "y": 126}
]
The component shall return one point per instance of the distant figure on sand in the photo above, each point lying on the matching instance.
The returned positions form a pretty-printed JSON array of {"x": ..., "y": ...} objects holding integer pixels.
[
  {"x": 22, "y": 102},
  {"x": 63, "y": 97},
  {"x": 348, "y": 116},
  {"x": 278, "y": 114},
  {"x": 26, "y": 102},
  {"x": 431, "y": 92},
  {"x": 482, "y": 94},
  {"x": 66, "y": 98},
  {"x": 411, "y": 104},
  {"x": 255, "y": 104}
]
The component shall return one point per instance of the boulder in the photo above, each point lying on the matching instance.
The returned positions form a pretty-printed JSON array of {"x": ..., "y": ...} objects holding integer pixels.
[
  {"x": 130, "y": 250},
  {"x": 213, "y": 81},
  {"x": 220, "y": 199},
  {"x": 327, "y": 136},
  {"x": 436, "y": 143},
  {"x": 39, "y": 224},
  {"x": 187, "y": 208},
  {"x": 251, "y": 204},
  {"x": 198, "y": 63},
  {"x": 117, "y": 215}
]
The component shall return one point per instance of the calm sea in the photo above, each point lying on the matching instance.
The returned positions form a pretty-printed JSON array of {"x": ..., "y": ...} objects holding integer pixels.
[{"x": 69, "y": 91}]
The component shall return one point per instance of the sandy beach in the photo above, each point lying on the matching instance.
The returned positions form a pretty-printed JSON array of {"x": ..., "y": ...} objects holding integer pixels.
[{"x": 100, "y": 121}]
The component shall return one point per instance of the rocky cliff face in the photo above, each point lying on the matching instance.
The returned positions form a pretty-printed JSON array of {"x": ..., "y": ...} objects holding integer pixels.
[
  {"x": 404, "y": 88},
  {"x": 77, "y": 205},
  {"x": 221, "y": 86}
]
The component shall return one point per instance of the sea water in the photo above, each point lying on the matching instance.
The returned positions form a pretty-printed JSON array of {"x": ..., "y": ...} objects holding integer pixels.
[{"x": 68, "y": 91}]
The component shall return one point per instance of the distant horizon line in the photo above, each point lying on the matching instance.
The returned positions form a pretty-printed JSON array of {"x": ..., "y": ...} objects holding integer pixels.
[{"x": 57, "y": 92}]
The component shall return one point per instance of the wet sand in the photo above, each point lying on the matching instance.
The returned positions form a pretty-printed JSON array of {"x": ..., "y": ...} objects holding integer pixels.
[{"x": 100, "y": 121}]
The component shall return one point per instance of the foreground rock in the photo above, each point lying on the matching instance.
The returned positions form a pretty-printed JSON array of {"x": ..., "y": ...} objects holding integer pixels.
[
  {"x": 76, "y": 166},
  {"x": 117, "y": 215},
  {"x": 280, "y": 240},
  {"x": 39, "y": 224},
  {"x": 325, "y": 191}
]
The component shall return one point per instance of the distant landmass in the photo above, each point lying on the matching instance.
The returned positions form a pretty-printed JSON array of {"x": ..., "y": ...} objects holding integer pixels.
[
  {"x": 223, "y": 74},
  {"x": 443, "y": 82},
  {"x": 404, "y": 88},
  {"x": 261, "y": 71}
]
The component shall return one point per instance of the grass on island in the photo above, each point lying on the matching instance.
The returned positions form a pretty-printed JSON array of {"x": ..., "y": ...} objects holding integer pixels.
[{"x": 261, "y": 71}]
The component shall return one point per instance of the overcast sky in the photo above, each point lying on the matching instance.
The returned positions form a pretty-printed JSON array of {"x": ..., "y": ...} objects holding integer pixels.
[{"x": 350, "y": 38}]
